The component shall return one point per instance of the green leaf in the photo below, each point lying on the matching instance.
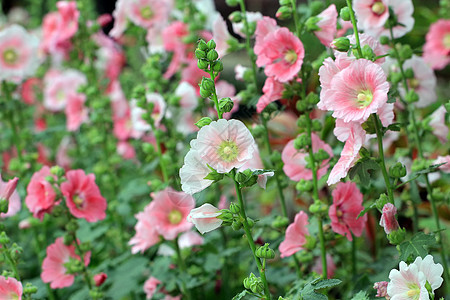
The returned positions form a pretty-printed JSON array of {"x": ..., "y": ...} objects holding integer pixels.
[
  {"x": 394, "y": 127},
  {"x": 362, "y": 168},
  {"x": 240, "y": 295},
  {"x": 361, "y": 296},
  {"x": 430, "y": 169},
  {"x": 417, "y": 246},
  {"x": 309, "y": 291},
  {"x": 366, "y": 209}
]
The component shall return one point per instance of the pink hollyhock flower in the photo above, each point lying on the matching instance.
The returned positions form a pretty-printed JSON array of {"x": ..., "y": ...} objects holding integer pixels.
[
  {"x": 62, "y": 157},
  {"x": 386, "y": 114},
  {"x": 205, "y": 218},
  {"x": 53, "y": 266},
  {"x": 295, "y": 235},
  {"x": 282, "y": 55},
  {"x": 173, "y": 36},
  {"x": 29, "y": 90},
  {"x": 224, "y": 144},
  {"x": 83, "y": 196},
  {"x": 76, "y": 112},
  {"x": 104, "y": 19},
  {"x": 40, "y": 194},
  {"x": 159, "y": 109},
  {"x": 18, "y": 53},
  {"x": 295, "y": 160},
  {"x": 436, "y": 51},
  {"x": 273, "y": 91},
  {"x": 188, "y": 96},
  {"x": 126, "y": 150},
  {"x": 220, "y": 35},
  {"x": 146, "y": 235},
  {"x": 169, "y": 212},
  {"x": 120, "y": 19},
  {"x": 146, "y": 13},
  {"x": 347, "y": 204},
  {"x": 100, "y": 278},
  {"x": 264, "y": 27},
  {"x": 59, "y": 86},
  {"x": 343, "y": 27},
  {"x": 357, "y": 91},
  {"x": 388, "y": 220},
  {"x": 189, "y": 239},
  {"x": 327, "y": 24},
  {"x": 423, "y": 83},
  {"x": 252, "y": 17},
  {"x": 151, "y": 286},
  {"x": 371, "y": 14},
  {"x": 331, "y": 267},
  {"x": 437, "y": 122},
  {"x": 443, "y": 159},
  {"x": 10, "y": 288},
  {"x": 403, "y": 10},
  {"x": 110, "y": 57},
  {"x": 381, "y": 288},
  {"x": 193, "y": 172},
  {"x": 432, "y": 271},
  {"x": 9, "y": 193}
]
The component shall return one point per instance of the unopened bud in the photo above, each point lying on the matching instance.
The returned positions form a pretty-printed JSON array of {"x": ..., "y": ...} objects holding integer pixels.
[
  {"x": 226, "y": 104},
  {"x": 341, "y": 44},
  {"x": 345, "y": 14},
  {"x": 235, "y": 208},
  {"x": 203, "y": 122},
  {"x": 212, "y": 55},
  {"x": 211, "y": 45}
]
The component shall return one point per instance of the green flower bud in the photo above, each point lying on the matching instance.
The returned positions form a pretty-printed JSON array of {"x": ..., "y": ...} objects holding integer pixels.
[
  {"x": 312, "y": 98},
  {"x": 265, "y": 252},
  {"x": 202, "y": 45},
  {"x": 148, "y": 148},
  {"x": 397, "y": 237},
  {"x": 257, "y": 287},
  {"x": 211, "y": 45},
  {"x": 341, "y": 44},
  {"x": 68, "y": 239},
  {"x": 304, "y": 256},
  {"x": 73, "y": 266},
  {"x": 4, "y": 239},
  {"x": 284, "y": 13},
  {"x": 409, "y": 73},
  {"x": 411, "y": 96},
  {"x": 204, "y": 93},
  {"x": 235, "y": 17},
  {"x": 202, "y": 64},
  {"x": 381, "y": 202},
  {"x": 226, "y": 104},
  {"x": 280, "y": 222},
  {"x": 321, "y": 155},
  {"x": 212, "y": 55},
  {"x": 4, "y": 204},
  {"x": 15, "y": 251},
  {"x": 207, "y": 84},
  {"x": 447, "y": 106},
  {"x": 310, "y": 242},
  {"x": 275, "y": 157},
  {"x": 29, "y": 289},
  {"x": 236, "y": 225},
  {"x": 304, "y": 185},
  {"x": 311, "y": 23},
  {"x": 316, "y": 125},
  {"x": 249, "y": 280},
  {"x": 284, "y": 2},
  {"x": 368, "y": 53},
  {"x": 395, "y": 77},
  {"x": 345, "y": 14},
  {"x": 384, "y": 40},
  {"x": 250, "y": 222},
  {"x": 302, "y": 121},
  {"x": 232, "y": 3},
  {"x": 397, "y": 171},
  {"x": 139, "y": 92},
  {"x": 217, "y": 66},
  {"x": 203, "y": 122},
  {"x": 72, "y": 226},
  {"x": 438, "y": 194},
  {"x": 318, "y": 207},
  {"x": 302, "y": 141},
  {"x": 235, "y": 208},
  {"x": 258, "y": 131},
  {"x": 57, "y": 170},
  {"x": 200, "y": 54},
  {"x": 226, "y": 216},
  {"x": 50, "y": 179},
  {"x": 406, "y": 52}
]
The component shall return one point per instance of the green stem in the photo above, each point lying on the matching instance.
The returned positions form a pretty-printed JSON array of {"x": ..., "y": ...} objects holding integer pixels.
[
  {"x": 82, "y": 254},
  {"x": 214, "y": 95},
  {"x": 248, "y": 234},
  {"x": 376, "y": 122},
  {"x": 14, "y": 136},
  {"x": 354, "y": 262},
  {"x": 183, "y": 268},
  {"x": 295, "y": 17},
  {"x": 11, "y": 262},
  {"x": 162, "y": 163},
  {"x": 323, "y": 251},
  {"x": 355, "y": 28}
]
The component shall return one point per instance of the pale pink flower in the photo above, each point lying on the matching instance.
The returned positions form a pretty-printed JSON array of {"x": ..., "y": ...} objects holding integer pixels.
[
  {"x": 373, "y": 43},
  {"x": 190, "y": 239},
  {"x": 264, "y": 27},
  {"x": 188, "y": 96},
  {"x": 126, "y": 150},
  {"x": 120, "y": 19},
  {"x": 205, "y": 218},
  {"x": 357, "y": 91},
  {"x": 151, "y": 286},
  {"x": 295, "y": 235},
  {"x": 159, "y": 109},
  {"x": 432, "y": 271},
  {"x": 386, "y": 114},
  {"x": 100, "y": 278},
  {"x": 272, "y": 91},
  {"x": 407, "y": 283},
  {"x": 239, "y": 71},
  {"x": 295, "y": 160},
  {"x": 388, "y": 220},
  {"x": 224, "y": 144},
  {"x": 76, "y": 112},
  {"x": 437, "y": 122},
  {"x": 238, "y": 27},
  {"x": 110, "y": 57},
  {"x": 40, "y": 194},
  {"x": 53, "y": 269},
  {"x": 255, "y": 164},
  {"x": 381, "y": 288},
  {"x": 146, "y": 13},
  {"x": 327, "y": 24},
  {"x": 9, "y": 193},
  {"x": 18, "y": 53},
  {"x": 220, "y": 35},
  {"x": 403, "y": 10},
  {"x": 83, "y": 197},
  {"x": 331, "y": 267},
  {"x": 345, "y": 26},
  {"x": 193, "y": 172},
  {"x": 169, "y": 212},
  {"x": 59, "y": 86},
  {"x": 155, "y": 39},
  {"x": 347, "y": 204},
  {"x": 282, "y": 55},
  {"x": 371, "y": 14},
  {"x": 146, "y": 234},
  {"x": 443, "y": 159},
  {"x": 62, "y": 157},
  {"x": 10, "y": 288},
  {"x": 192, "y": 74},
  {"x": 436, "y": 51}
]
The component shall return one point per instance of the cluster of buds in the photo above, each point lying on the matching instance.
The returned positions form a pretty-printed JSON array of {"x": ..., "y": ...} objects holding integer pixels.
[
  {"x": 254, "y": 284},
  {"x": 208, "y": 58},
  {"x": 231, "y": 217}
]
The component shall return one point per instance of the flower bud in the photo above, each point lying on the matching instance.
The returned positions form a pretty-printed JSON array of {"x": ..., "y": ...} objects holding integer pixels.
[
  {"x": 302, "y": 141},
  {"x": 395, "y": 77},
  {"x": 29, "y": 289},
  {"x": 203, "y": 122},
  {"x": 345, "y": 14},
  {"x": 71, "y": 226},
  {"x": 368, "y": 53},
  {"x": 304, "y": 185},
  {"x": 388, "y": 220},
  {"x": 250, "y": 222},
  {"x": 232, "y": 3},
  {"x": 321, "y": 155},
  {"x": 211, "y": 45},
  {"x": 207, "y": 84},
  {"x": 280, "y": 222},
  {"x": 236, "y": 225},
  {"x": 265, "y": 252},
  {"x": 409, "y": 73},
  {"x": 411, "y": 96},
  {"x": 258, "y": 131},
  {"x": 249, "y": 280},
  {"x": 217, "y": 66},
  {"x": 447, "y": 106},
  {"x": 316, "y": 125},
  {"x": 284, "y": 2},
  {"x": 397, "y": 237},
  {"x": 226, "y": 104},
  {"x": 437, "y": 194},
  {"x": 68, "y": 239},
  {"x": 381, "y": 202},
  {"x": 257, "y": 287},
  {"x": 204, "y": 93},
  {"x": 4, "y": 204},
  {"x": 235, "y": 208},
  {"x": 226, "y": 216},
  {"x": 212, "y": 55},
  {"x": 200, "y": 54},
  {"x": 235, "y": 16},
  {"x": 100, "y": 278},
  {"x": 311, "y": 23},
  {"x": 275, "y": 157},
  {"x": 310, "y": 242},
  {"x": 202, "y": 45},
  {"x": 318, "y": 207},
  {"x": 284, "y": 13},
  {"x": 202, "y": 64},
  {"x": 384, "y": 40},
  {"x": 406, "y": 52},
  {"x": 341, "y": 44},
  {"x": 4, "y": 239},
  {"x": 398, "y": 170}
]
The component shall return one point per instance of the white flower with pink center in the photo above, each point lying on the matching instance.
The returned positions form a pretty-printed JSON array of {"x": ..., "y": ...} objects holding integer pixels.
[
  {"x": 238, "y": 27},
  {"x": 193, "y": 172},
  {"x": 224, "y": 145},
  {"x": 371, "y": 13},
  {"x": 18, "y": 53},
  {"x": 159, "y": 109},
  {"x": 146, "y": 13}
]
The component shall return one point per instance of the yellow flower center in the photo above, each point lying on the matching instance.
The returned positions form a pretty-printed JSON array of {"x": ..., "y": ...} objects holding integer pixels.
[
  {"x": 175, "y": 217},
  {"x": 10, "y": 56},
  {"x": 290, "y": 56},
  {"x": 147, "y": 12},
  {"x": 78, "y": 200},
  {"x": 446, "y": 41},
  {"x": 364, "y": 98},
  {"x": 414, "y": 291},
  {"x": 13, "y": 296},
  {"x": 413, "y": 83},
  {"x": 228, "y": 151},
  {"x": 378, "y": 8}
]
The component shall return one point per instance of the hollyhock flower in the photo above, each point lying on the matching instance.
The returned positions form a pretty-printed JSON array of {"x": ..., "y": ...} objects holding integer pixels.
[
  {"x": 264, "y": 27},
  {"x": 388, "y": 220},
  {"x": 100, "y": 278},
  {"x": 343, "y": 27},
  {"x": 403, "y": 11},
  {"x": 295, "y": 160},
  {"x": 220, "y": 35},
  {"x": 146, "y": 234},
  {"x": 169, "y": 212},
  {"x": 126, "y": 150},
  {"x": 40, "y": 194},
  {"x": 185, "y": 240},
  {"x": 432, "y": 271},
  {"x": 9, "y": 193},
  {"x": 193, "y": 172},
  {"x": 146, "y": 13},
  {"x": 76, "y": 112},
  {"x": 239, "y": 71},
  {"x": 273, "y": 90},
  {"x": 357, "y": 91},
  {"x": 327, "y": 24},
  {"x": 224, "y": 144},
  {"x": 188, "y": 96},
  {"x": 373, "y": 43},
  {"x": 256, "y": 164},
  {"x": 371, "y": 14},
  {"x": 295, "y": 235},
  {"x": 436, "y": 51},
  {"x": 120, "y": 19},
  {"x": 205, "y": 218},
  {"x": 83, "y": 196},
  {"x": 331, "y": 267},
  {"x": 53, "y": 266},
  {"x": 110, "y": 58},
  {"x": 437, "y": 122},
  {"x": 59, "y": 86},
  {"x": 443, "y": 159},
  {"x": 150, "y": 286},
  {"x": 381, "y": 288},
  {"x": 10, "y": 288},
  {"x": 386, "y": 114},
  {"x": 62, "y": 157},
  {"x": 407, "y": 283},
  {"x": 159, "y": 109},
  {"x": 29, "y": 90},
  {"x": 282, "y": 55},
  {"x": 347, "y": 204},
  {"x": 18, "y": 53},
  {"x": 238, "y": 27}
]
